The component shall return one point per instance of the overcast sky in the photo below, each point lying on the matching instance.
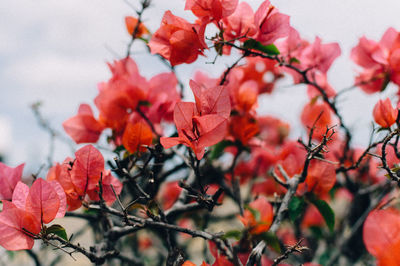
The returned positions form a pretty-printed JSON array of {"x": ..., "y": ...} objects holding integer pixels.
[{"x": 55, "y": 51}]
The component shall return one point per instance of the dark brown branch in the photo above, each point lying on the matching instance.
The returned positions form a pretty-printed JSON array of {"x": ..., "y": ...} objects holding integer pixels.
[
  {"x": 145, "y": 4},
  {"x": 291, "y": 249}
]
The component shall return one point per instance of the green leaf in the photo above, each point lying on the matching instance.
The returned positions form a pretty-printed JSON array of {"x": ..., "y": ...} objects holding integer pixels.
[
  {"x": 271, "y": 240},
  {"x": 136, "y": 206},
  {"x": 118, "y": 149},
  {"x": 385, "y": 82},
  {"x": 296, "y": 207},
  {"x": 267, "y": 49},
  {"x": 57, "y": 230},
  {"x": 294, "y": 60},
  {"x": 218, "y": 149},
  {"x": 254, "y": 212},
  {"x": 324, "y": 258},
  {"x": 317, "y": 232},
  {"x": 236, "y": 234},
  {"x": 144, "y": 103},
  {"x": 152, "y": 207},
  {"x": 11, "y": 254},
  {"x": 326, "y": 212}
]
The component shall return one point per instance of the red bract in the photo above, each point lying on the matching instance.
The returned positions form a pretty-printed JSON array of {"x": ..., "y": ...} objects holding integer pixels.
[
  {"x": 209, "y": 10},
  {"x": 202, "y": 124},
  {"x": 80, "y": 177},
  {"x": 169, "y": 193},
  {"x": 292, "y": 158},
  {"x": 272, "y": 130},
  {"x": 162, "y": 96},
  {"x": 362, "y": 54},
  {"x": 120, "y": 96},
  {"x": 219, "y": 260},
  {"x": 259, "y": 218},
  {"x": 319, "y": 56},
  {"x": 269, "y": 187},
  {"x": 260, "y": 70},
  {"x": 384, "y": 114},
  {"x": 239, "y": 24},
  {"x": 31, "y": 207},
  {"x": 136, "y": 136},
  {"x": 9, "y": 178},
  {"x": 177, "y": 40},
  {"x": 292, "y": 45},
  {"x": 87, "y": 169},
  {"x": 312, "y": 218},
  {"x": 14, "y": 227},
  {"x": 321, "y": 177},
  {"x": 322, "y": 81},
  {"x": 131, "y": 24},
  {"x": 381, "y": 234},
  {"x": 317, "y": 115},
  {"x": 243, "y": 128},
  {"x": 246, "y": 96},
  {"x": 380, "y": 61},
  {"x": 108, "y": 183},
  {"x": 62, "y": 174},
  {"x": 46, "y": 200},
  {"x": 83, "y": 128},
  {"x": 270, "y": 23}
]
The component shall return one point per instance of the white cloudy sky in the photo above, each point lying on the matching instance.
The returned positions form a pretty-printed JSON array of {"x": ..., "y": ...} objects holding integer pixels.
[{"x": 55, "y": 51}]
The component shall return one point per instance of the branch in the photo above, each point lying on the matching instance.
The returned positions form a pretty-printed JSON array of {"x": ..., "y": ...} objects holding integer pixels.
[{"x": 291, "y": 249}]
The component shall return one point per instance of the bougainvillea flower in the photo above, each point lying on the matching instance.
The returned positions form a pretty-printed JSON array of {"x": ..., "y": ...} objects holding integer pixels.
[
  {"x": 384, "y": 114},
  {"x": 83, "y": 128},
  {"x": 120, "y": 96},
  {"x": 246, "y": 96},
  {"x": 80, "y": 177},
  {"x": 45, "y": 200},
  {"x": 322, "y": 81},
  {"x": 137, "y": 136},
  {"x": 131, "y": 24},
  {"x": 321, "y": 177},
  {"x": 317, "y": 115},
  {"x": 380, "y": 61},
  {"x": 243, "y": 128},
  {"x": 169, "y": 193},
  {"x": 196, "y": 132},
  {"x": 291, "y": 158},
  {"x": 239, "y": 24},
  {"x": 292, "y": 45},
  {"x": 320, "y": 56},
  {"x": 258, "y": 225},
  {"x": 209, "y": 10},
  {"x": 211, "y": 100},
  {"x": 220, "y": 260},
  {"x": 201, "y": 124},
  {"x": 177, "y": 40},
  {"x": 263, "y": 71},
  {"x": 87, "y": 169},
  {"x": 372, "y": 80},
  {"x": 62, "y": 174},
  {"x": 312, "y": 218},
  {"x": 270, "y": 23},
  {"x": 362, "y": 53},
  {"x": 9, "y": 178},
  {"x": 31, "y": 207},
  {"x": 273, "y": 131},
  {"x": 269, "y": 187},
  {"x": 16, "y": 227},
  {"x": 108, "y": 194},
  {"x": 381, "y": 234},
  {"x": 162, "y": 96}
]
